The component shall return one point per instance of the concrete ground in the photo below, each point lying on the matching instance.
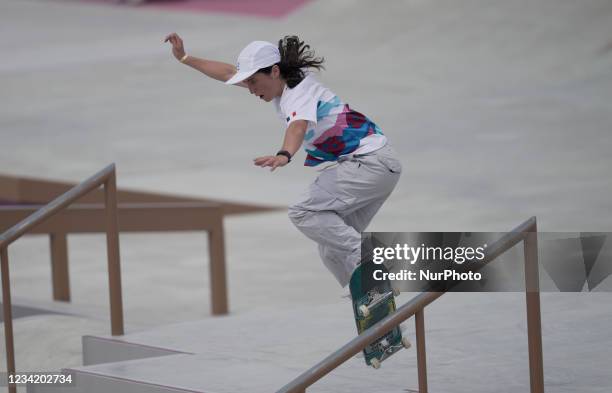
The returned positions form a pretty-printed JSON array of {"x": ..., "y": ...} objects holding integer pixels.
[{"x": 499, "y": 110}]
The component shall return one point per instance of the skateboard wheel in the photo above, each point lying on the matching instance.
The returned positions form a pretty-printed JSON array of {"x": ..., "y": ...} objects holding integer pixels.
[
  {"x": 375, "y": 363},
  {"x": 406, "y": 343},
  {"x": 396, "y": 292},
  {"x": 364, "y": 311}
]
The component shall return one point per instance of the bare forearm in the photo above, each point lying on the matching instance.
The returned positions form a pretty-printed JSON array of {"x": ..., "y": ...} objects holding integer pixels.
[
  {"x": 294, "y": 136},
  {"x": 211, "y": 68}
]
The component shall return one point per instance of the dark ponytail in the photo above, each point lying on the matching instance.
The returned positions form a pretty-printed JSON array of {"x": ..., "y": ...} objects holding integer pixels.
[{"x": 296, "y": 57}]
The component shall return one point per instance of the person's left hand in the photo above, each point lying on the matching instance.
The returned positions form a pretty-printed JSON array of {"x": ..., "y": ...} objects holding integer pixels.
[
  {"x": 271, "y": 161},
  {"x": 178, "y": 48}
]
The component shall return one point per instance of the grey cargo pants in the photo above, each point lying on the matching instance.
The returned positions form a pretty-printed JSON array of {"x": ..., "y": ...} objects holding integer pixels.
[{"x": 340, "y": 204}]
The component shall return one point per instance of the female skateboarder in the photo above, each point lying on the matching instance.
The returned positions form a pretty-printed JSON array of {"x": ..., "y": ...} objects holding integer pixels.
[{"x": 345, "y": 196}]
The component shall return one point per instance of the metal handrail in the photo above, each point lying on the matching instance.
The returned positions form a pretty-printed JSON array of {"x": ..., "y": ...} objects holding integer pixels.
[
  {"x": 132, "y": 217},
  {"x": 53, "y": 207},
  {"x": 107, "y": 178},
  {"x": 524, "y": 232}
]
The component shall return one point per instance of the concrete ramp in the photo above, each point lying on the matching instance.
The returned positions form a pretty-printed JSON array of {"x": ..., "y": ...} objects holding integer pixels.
[
  {"x": 179, "y": 373},
  {"x": 254, "y": 352},
  {"x": 474, "y": 341}
]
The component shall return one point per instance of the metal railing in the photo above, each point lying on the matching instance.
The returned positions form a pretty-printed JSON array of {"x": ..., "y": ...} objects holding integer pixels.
[
  {"x": 132, "y": 217},
  {"x": 106, "y": 178},
  {"x": 526, "y": 232}
]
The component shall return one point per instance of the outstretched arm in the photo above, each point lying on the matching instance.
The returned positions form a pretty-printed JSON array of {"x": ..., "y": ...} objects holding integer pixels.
[
  {"x": 211, "y": 68},
  {"x": 294, "y": 136}
]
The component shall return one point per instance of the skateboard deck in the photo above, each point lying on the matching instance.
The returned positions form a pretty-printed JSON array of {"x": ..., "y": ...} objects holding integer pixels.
[{"x": 372, "y": 301}]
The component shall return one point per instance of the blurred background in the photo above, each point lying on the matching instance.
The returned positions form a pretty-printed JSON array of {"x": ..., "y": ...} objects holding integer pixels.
[{"x": 499, "y": 110}]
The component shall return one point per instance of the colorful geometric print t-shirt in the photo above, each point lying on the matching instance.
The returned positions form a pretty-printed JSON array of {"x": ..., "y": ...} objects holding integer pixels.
[{"x": 334, "y": 129}]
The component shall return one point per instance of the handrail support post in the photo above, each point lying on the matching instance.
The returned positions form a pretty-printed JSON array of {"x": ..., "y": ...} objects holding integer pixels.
[
  {"x": 534, "y": 323},
  {"x": 112, "y": 248},
  {"x": 59, "y": 266},
  {"x": 419, "y": 321},
  {"x": 8, "y": 317},
  {"x": 218, "y": 278}
]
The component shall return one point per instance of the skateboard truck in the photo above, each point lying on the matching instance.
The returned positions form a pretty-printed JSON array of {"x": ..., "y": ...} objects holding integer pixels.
[{"x": 376, "y": 298}]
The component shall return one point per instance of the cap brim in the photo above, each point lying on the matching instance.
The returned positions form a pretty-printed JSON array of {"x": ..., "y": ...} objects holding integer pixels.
[{"x": 239, "y": 77}]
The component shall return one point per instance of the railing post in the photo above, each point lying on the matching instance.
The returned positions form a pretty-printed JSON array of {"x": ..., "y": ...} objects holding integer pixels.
[
  {"x": 419, "y": 321},
  {"x": 8, "y": 316},
  {"x": 534, "y": 326},
  {"x": 59, "y": 266},
  {"x": 112, "y": 249},
  {"x": 218, "y": 280}
]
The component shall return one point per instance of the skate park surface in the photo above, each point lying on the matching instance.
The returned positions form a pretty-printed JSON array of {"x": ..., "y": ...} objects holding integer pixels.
[{"x": 499, "y": 111}]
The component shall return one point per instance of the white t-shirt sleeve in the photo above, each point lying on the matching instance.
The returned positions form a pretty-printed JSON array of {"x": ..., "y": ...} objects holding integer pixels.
[
  {"x": 300, "y": 103},
  {"x": 302, "y": 108}
]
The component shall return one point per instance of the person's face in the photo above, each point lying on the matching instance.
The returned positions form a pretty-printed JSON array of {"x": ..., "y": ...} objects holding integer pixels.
[{"x": 265, "y": 86}]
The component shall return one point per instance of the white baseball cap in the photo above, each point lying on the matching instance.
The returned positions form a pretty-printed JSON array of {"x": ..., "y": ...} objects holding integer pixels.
[{"x": 255, "y": 56}]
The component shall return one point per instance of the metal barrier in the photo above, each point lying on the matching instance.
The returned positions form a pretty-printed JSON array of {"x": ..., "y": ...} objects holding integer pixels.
[
  {"x": 107, "y": 178},
  {"x": 132, "y": 217},
  {"x": 526, "y": 232}
]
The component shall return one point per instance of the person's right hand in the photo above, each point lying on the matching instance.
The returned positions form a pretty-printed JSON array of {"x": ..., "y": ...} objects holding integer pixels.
[{"x": 178, "y": 50}]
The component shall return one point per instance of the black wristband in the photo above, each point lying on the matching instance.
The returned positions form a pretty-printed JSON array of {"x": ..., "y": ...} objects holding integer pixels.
[{"x": 284, "y": 153}]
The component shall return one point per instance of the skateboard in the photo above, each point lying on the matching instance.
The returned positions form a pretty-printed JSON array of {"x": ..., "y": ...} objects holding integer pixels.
[{"x": 372, "y": 301}]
